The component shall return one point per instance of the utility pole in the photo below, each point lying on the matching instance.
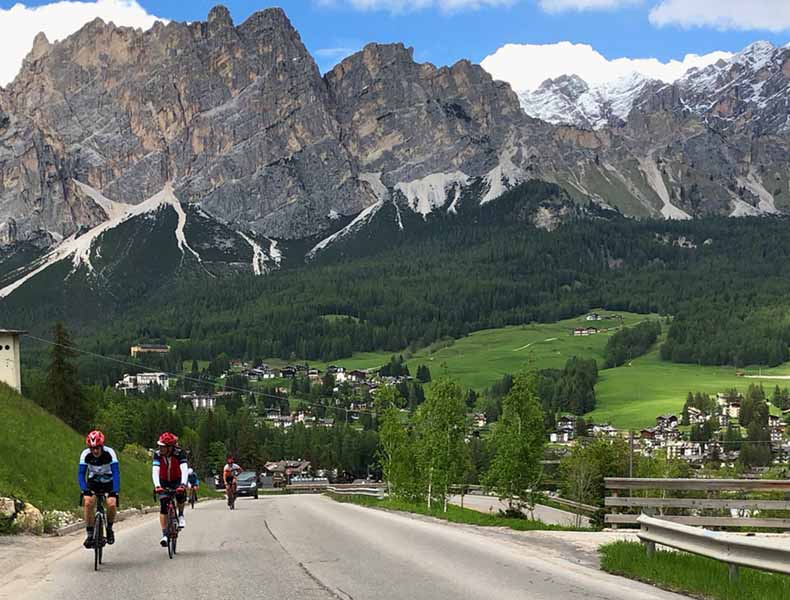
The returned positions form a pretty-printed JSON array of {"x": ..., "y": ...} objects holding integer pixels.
[{"x": 631, "y": 453}]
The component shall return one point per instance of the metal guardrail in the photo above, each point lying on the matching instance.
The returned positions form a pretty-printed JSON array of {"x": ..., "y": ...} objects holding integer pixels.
[
  {"x": 671, "y": 509},
  {"x": 377, "y": 491},
  {"x": 736, "y": 551},
  {"x": 306, "y": 488}
]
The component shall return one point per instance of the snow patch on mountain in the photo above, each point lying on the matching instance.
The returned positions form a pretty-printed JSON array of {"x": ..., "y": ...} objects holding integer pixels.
[
  {"x": 704, "y": 86},
  {"x": 743, "y": 209},
  {"x": 259, "y": 257},
  {"x": 111, "y": 208},
  {"x": 570, "y": 100},
  {"x": 656, "y": 181},
  {"x": 359, "y": 221},
  {"x": 426, "y": 194},
  {"x": 500, "y": 179},
  {"x": 380, "y": 191},
  {"x": 751, "y": 183},
  {"x": 79, "y": 245}
]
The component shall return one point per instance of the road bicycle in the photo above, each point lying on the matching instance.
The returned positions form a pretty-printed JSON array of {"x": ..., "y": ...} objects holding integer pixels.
[
  {"x": 231, "y": 493},
  {"x": 172, "y": 523},
  {"x": 99, "y": 531},
  {"x": 192, "y": 497}
]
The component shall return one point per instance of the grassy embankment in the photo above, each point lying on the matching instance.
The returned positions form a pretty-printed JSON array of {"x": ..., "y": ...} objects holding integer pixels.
[
  {"x": 693, "y": 575},
  {"x": 454, "y": 514},
  {"x": 39, "y": 456}
]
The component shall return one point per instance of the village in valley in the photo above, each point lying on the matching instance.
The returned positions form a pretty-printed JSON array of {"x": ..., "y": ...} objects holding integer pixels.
[{"x": 706, "y": 429}]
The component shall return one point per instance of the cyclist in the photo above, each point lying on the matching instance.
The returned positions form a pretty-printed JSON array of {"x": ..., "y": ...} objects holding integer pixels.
[
  {"x": 98, "y": 472},
  {"x": 229, "y": 474},
  {"x": 193, "y": 483},
  {"x": 170, "y": 474}
]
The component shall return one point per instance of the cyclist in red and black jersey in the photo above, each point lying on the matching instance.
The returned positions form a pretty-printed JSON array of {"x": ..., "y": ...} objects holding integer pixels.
[{"x": 170, "y": 474}]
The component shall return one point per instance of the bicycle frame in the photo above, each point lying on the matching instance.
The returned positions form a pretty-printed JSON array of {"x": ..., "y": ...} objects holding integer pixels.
[
  {"x": 99, "y": 538},
  {"x": 172, "y": 523}
]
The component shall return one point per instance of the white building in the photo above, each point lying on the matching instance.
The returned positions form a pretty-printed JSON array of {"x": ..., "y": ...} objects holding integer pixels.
[
  {"x": 10, "y": 371},
  {"x": 142, "y": 381},
  {"x": 201, "y": 401}
]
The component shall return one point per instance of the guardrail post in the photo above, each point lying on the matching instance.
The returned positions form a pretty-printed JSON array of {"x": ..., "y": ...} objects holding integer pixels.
[
  {"x": 650, "y": 547},
  {"x": 734, "y": 573}
]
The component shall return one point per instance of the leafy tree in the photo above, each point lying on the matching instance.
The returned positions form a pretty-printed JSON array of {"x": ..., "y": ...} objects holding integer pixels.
[
  {"x": 440, "y": 433},
  {"x": 217, "y": 454},
  {"x": 518, "y": 440}
]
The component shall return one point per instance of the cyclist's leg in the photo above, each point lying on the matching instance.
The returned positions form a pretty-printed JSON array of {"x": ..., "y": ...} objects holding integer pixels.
[
  {"x": 163, "y": 501},
  {"x": 181, "y": 500},
  {"x": 112, "y": 510},
  {"x": 88, "y": 505}
]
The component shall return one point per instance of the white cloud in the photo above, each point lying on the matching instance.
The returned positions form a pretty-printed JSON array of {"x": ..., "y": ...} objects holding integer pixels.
[
  {"x": 556, "y": 6},
  {"x": 405, "y": 6},
  {"x": 20, "y": 24},
  {"x": 768, "y": 15},
  {"x": 526, "y": 66}
]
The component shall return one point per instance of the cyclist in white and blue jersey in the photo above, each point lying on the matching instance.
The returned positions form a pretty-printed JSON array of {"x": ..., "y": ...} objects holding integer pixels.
[{"x": 99, "y": 472}]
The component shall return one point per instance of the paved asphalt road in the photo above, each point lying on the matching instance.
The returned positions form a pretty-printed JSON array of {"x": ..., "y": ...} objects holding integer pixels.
[
  {"x": 547, "y": 514},
  {"x": 309, "y": 547}
]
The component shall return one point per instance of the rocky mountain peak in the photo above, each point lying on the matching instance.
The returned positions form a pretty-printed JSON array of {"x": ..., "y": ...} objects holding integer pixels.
[
  {"x": 40, "y": 45},
  {"x": 219, "y": 16},
  {"x": 571, "y": 86}
]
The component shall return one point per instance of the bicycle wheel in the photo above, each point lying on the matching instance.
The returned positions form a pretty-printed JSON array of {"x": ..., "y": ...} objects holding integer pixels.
[
  {"x": 172, "y": 523},
  {"x": 98, "y": 540},
  {"x": 192, "y": 500}
]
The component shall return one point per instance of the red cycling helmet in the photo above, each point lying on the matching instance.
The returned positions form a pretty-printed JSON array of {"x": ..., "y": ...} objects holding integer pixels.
[
  {"x": 95, "y": 439},
  {"x": 167, "y": 439},
  {"x": 229, "y": 460}
]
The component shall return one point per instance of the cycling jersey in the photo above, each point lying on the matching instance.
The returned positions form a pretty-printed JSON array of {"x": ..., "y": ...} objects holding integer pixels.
[
  {"x": 193, "y": 480},
  {"x": 100, "y": 472},
  {"x": 231, "y": 471},
  {"x": 170, "y": 471}
]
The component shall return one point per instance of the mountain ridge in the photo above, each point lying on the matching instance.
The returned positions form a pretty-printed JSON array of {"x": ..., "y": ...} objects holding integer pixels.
[{"x": 240, "y": 121}]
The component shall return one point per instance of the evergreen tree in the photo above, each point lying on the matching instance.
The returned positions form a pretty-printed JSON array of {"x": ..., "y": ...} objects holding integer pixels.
[{"x": 64, "y": 396}]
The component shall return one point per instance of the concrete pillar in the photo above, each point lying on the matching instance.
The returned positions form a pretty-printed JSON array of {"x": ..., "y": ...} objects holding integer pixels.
[{"x": 10, "y": 370}]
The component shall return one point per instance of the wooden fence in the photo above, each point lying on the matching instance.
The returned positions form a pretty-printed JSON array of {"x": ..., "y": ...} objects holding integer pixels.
[{"x": 687, "y": 501}]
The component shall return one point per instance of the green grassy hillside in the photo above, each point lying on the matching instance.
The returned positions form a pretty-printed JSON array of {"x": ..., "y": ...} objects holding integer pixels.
[
  {"x": 39, "y": 456},
  {"x": 483, "y": 357},
  {"x": 633, "y": 396}
]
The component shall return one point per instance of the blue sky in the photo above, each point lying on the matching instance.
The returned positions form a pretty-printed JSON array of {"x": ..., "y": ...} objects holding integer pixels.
[{"x": 623, "y": 28}]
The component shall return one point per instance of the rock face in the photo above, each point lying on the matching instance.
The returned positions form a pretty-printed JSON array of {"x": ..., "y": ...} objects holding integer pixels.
[{"x": 239, "y": 119}]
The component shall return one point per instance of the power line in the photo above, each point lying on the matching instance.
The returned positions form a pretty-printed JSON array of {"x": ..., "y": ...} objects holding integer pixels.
[{"x": 193, "y": 379}]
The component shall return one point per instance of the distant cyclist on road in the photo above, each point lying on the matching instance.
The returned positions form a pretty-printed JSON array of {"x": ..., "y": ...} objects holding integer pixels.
[
  {"x": 193, "y": 483},
  {"x": 98, "y": 473},
  {"x": 170, "y": 474},
  {"x": 229, "y": 474}
]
